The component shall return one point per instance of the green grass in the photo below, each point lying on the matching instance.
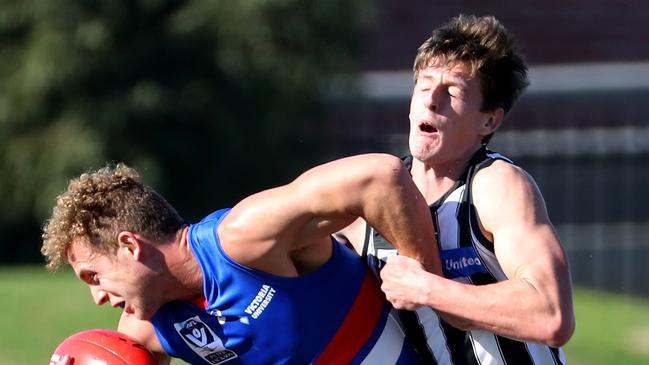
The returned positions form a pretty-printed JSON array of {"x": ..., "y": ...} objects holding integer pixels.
[
  {"x": 611, "y": 329},
  {"x": 39, "y": 309}
]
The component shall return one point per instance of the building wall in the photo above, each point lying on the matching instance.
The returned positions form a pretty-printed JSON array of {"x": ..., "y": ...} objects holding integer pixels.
[{"x": 552, "y": 31}]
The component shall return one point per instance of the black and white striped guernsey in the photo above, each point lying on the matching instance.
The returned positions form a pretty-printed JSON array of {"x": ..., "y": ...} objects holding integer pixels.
[{"x": 467, "y": 256}]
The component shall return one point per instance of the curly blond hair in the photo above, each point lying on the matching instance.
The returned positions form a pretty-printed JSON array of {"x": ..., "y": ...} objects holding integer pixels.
[{"x": 98, "y": 205}]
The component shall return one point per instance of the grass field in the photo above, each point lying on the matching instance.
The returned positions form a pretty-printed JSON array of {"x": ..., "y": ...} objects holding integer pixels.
[{"x": 39, "y": 309}]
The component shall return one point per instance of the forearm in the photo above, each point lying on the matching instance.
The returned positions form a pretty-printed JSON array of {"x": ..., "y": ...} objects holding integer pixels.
[
  {"x": 407, "y": 224},
  {"x": 526, "y": 307},
  {"x": 513, "y": 308}
]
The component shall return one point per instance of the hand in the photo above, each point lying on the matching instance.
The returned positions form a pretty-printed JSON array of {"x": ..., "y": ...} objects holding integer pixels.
[
  {"x": 65, "y": 360},
  {"x": 404, "y": 282}
]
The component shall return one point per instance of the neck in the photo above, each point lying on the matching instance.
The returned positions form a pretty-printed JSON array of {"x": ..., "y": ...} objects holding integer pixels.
[
  {"x": 184, "y": 268},
  {"x": 435, "y": 179}
]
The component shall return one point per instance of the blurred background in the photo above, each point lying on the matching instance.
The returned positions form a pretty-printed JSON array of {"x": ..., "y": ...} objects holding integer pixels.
[{"x": 213, "y": 100}]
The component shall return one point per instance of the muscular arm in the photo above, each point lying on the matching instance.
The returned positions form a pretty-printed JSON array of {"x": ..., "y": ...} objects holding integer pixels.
[
  {"x": 535, "y": 302},
  {"x": 266, "y": 229}
]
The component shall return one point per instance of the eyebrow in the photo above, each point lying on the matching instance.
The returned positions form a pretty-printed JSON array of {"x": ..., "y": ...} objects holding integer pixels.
[
  {"x": 450, "y": 79},
  {"x": 457, "y": 79}
]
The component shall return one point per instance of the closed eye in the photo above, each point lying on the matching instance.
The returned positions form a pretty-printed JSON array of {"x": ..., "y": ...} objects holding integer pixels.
[{"x": 89, "y": 277}]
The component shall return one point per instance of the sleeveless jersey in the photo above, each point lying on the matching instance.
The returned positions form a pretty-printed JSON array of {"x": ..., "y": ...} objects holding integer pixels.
[
  {"x": 467, "y": 256},
  {"x": 334, "y": 315}
]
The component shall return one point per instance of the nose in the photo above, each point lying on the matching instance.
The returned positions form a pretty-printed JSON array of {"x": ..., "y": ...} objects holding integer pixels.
[
  {"x": 432, "y": 98},
  {"x": 99, "y": 296}
]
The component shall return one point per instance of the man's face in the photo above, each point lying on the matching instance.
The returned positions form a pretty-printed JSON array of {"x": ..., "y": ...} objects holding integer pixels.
[
  {"x": 445, "y": 116},
  {"x": 119, "y": 279}
]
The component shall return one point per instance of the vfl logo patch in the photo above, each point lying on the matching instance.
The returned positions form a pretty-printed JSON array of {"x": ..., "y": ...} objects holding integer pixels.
[
  {"x": 461, "y": 262},
  {"x": 203, "y": 341}
]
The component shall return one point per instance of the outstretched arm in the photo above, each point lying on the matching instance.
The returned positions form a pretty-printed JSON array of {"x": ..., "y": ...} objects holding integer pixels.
[{"x": 264, "y": 229}]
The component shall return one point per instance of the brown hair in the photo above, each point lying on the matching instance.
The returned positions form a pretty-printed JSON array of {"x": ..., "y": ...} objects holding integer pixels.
[
  {"x": 98, "y": 205},
  {"x": 487, "y": 48}
]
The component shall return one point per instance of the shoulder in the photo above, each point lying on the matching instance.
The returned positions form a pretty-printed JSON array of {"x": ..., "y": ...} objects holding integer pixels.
[
  {"x": 502, "y": 184},
  {"x": 505, "y": 195},
  {"x": 205, "y": 228},
  {"x": 501, "y": 176}
]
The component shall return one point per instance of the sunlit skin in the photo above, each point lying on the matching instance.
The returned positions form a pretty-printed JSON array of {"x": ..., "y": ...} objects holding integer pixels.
[
  {"x": 446, "y": 125},
  {"x": 111, "y": 280},
  {"x": 127, "y": 279},
  {"x": 445, "y": 118},
  {"x": 446, "y": 129},
  {"x": 284, "y": 231}
]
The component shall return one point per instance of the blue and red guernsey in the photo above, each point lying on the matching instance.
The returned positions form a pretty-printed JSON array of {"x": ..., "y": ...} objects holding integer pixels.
[{"x": 334, "y": 315}]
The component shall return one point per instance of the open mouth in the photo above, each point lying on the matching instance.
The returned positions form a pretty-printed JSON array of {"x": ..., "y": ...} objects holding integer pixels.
[
  {"x": 427, "y": 128},
  {"x": 120, "y": 305}
]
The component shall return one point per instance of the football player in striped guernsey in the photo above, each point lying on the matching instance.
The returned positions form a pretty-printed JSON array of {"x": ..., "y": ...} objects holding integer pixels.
[{"x": 506, "y": 295}]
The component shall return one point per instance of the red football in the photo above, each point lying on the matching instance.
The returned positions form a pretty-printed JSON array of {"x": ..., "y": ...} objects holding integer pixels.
[{"x": 103, "y": 347}]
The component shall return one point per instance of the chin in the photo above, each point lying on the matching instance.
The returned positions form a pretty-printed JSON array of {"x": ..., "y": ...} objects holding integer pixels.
[
  {"x": 143, "y": 314},
  {"x": 422, "y": 156},
  {"x": 422, "y": 153}
]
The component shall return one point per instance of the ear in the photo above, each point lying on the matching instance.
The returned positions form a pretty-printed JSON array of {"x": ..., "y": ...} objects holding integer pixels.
[
  {"x": 129, "y": 245},
  {"x": 494, "y": 120}
]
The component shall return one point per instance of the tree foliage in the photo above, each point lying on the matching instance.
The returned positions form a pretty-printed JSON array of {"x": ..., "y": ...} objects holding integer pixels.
[{"x": 211, "y": 99}]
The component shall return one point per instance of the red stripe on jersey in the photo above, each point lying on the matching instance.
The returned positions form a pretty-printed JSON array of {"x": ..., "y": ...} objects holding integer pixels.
[
  {"x": 201, "y": 302},
  {"x": 358, "y": 325}
]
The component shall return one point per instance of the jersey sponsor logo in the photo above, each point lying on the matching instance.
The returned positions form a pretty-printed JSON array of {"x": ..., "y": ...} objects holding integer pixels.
[
  {"x": 461, "y": 262},
  {"x": 203, "y": 341},
  {"x": 260, "y": 301}
]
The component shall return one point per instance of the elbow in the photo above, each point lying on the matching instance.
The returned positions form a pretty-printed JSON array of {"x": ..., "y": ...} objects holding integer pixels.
[
  {"x": 379, "y": 171},
  {"x": 388, "y": 169},
  {"x": 559, "y": 330}
]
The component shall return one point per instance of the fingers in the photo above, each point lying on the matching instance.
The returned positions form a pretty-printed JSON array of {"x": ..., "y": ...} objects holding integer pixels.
[
  {"x": 404, "y": 260},
  {"x": 400, "y": 282}
]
